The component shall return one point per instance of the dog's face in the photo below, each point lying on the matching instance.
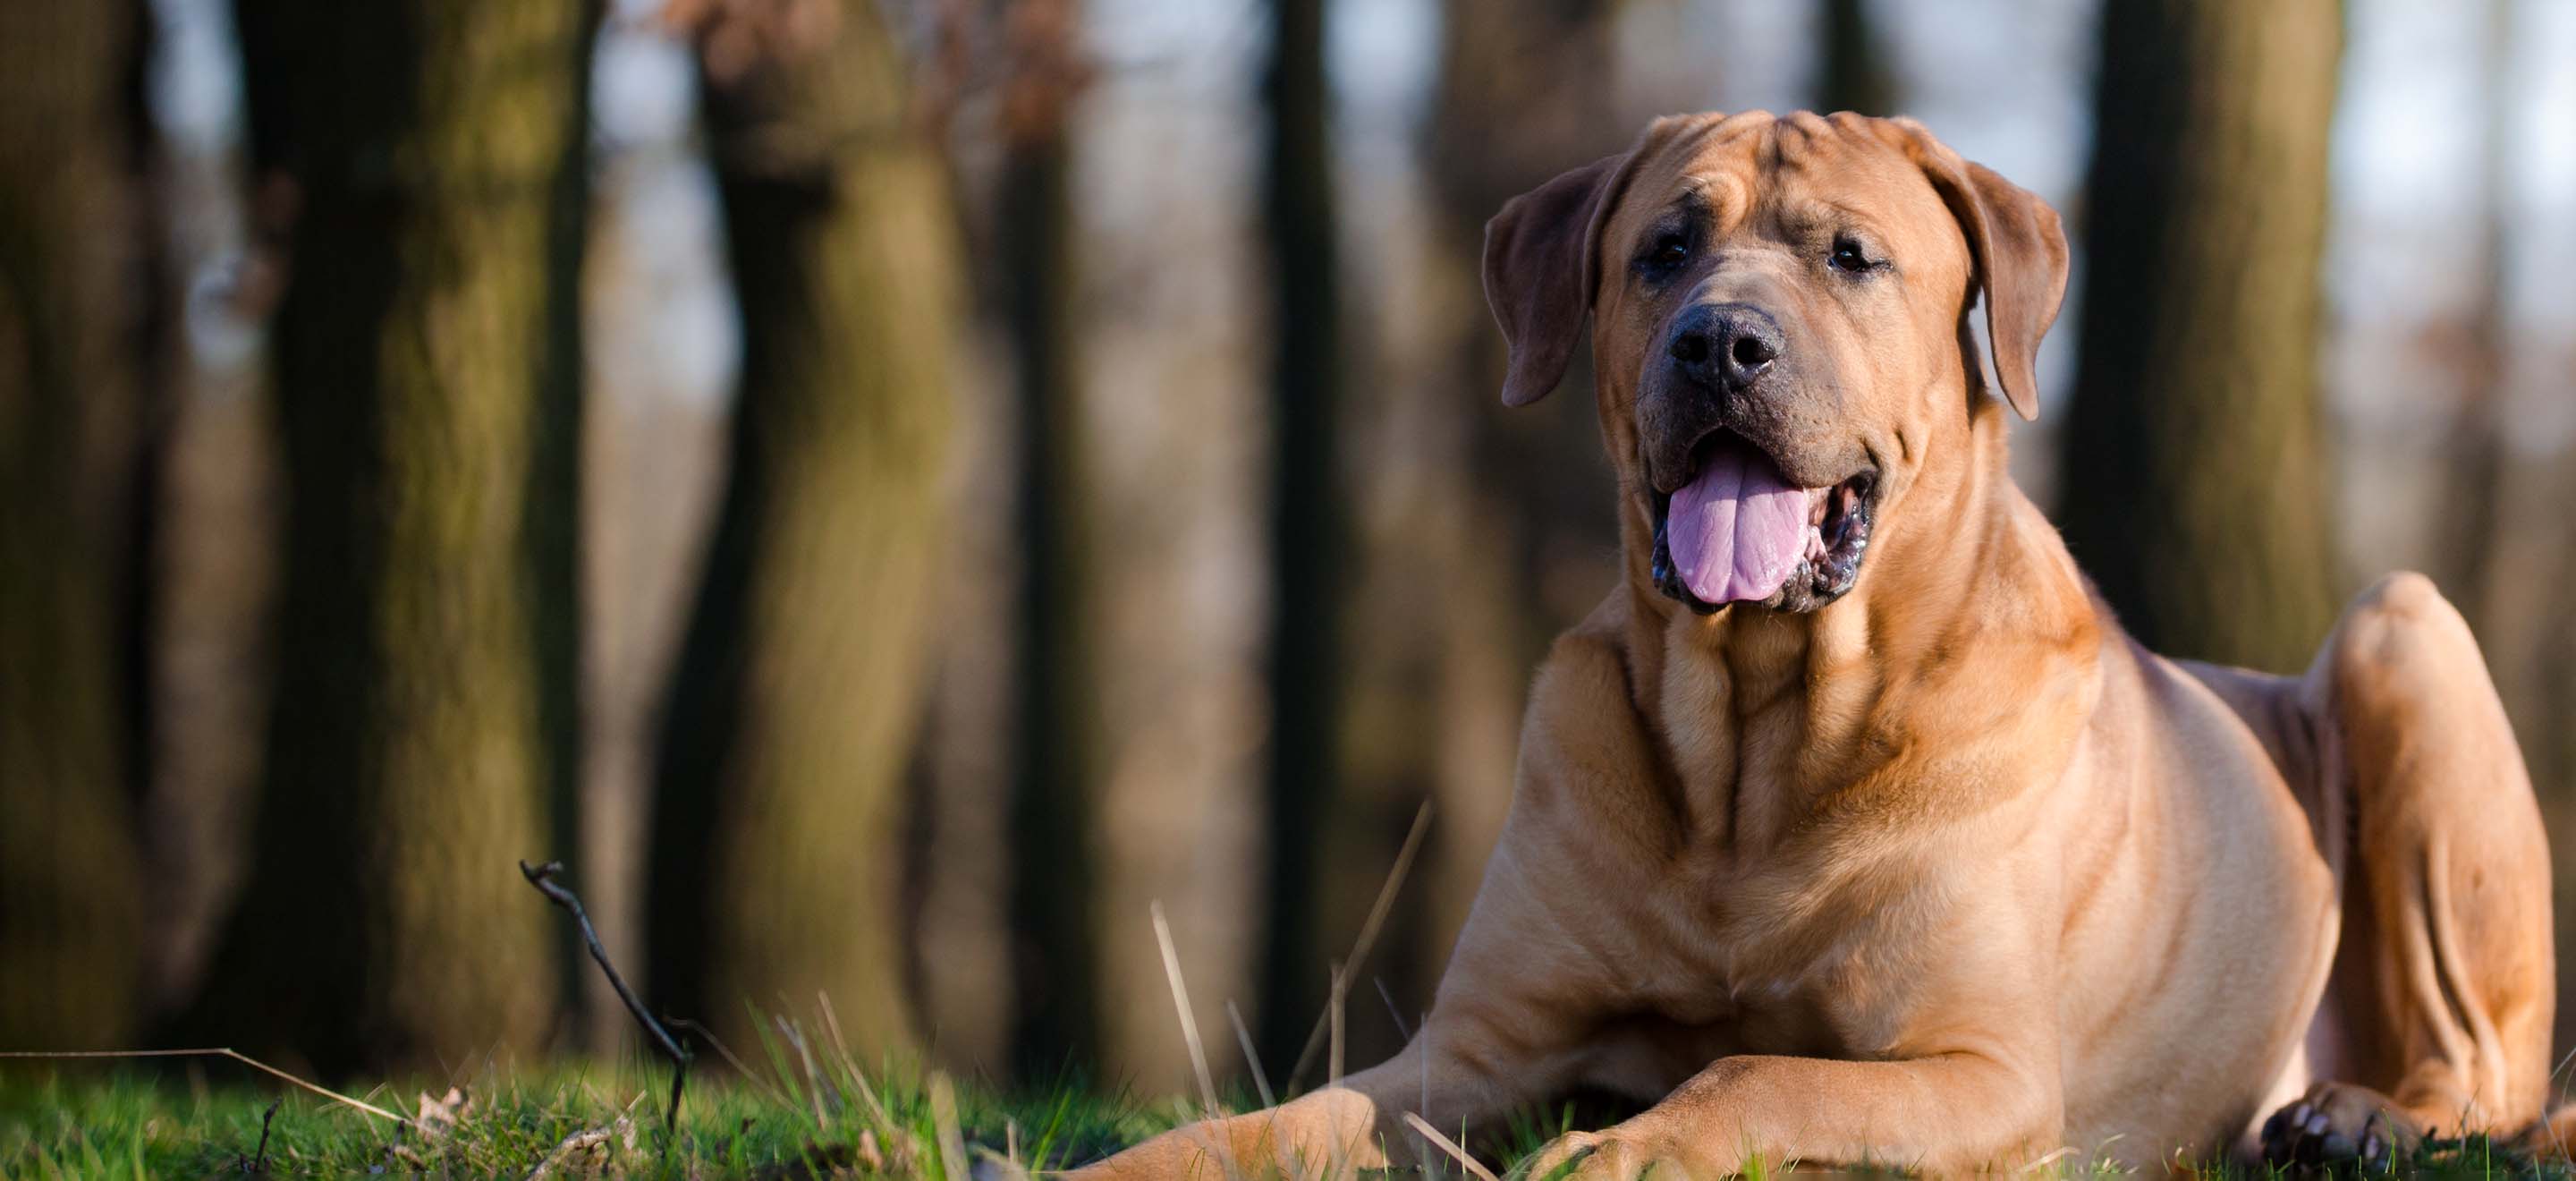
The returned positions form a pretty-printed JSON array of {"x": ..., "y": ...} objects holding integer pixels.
[{"x": 1779, "y": 312}]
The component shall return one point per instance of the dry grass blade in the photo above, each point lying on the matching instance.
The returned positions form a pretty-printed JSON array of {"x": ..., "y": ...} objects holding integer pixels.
[
  {"x": 762, "y": 1081},
  {"x": 943, "y": 1116},
  {"x": 1181, "y": 1001},
  {"x": 850, "y": 1065},
  {"x": 1251, "y": 1057},
  {"x": 1190, "y": 1034},
  {"x": 1005, "y": 1168},
  {"x": 813, "y": 1078},
  {"x": 215, "y": 1052},
  {"x": 1445, "y": 1144},
  {"x": 2049, "y": 1161},
  {"x": 1333, "y": 1012},
  {"x": 1386, "y": 893}
]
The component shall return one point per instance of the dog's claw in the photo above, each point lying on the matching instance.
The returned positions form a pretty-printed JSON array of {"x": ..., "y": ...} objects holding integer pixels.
[{"x": 2336, "y": 1128}]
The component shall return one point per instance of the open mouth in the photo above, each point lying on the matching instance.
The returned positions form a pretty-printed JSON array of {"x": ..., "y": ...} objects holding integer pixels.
[{"x": 1739, "y": 532}]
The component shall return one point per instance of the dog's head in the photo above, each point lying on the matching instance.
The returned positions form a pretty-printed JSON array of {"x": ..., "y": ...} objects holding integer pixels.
[{"x": 1780, "y": 330}]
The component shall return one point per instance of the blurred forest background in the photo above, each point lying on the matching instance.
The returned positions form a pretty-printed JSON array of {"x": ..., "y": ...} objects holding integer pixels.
[{"x": 889, "y": 490}]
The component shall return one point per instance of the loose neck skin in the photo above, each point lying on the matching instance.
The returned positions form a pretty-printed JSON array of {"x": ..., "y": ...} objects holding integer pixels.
[{"x": 1962, "y": 570}]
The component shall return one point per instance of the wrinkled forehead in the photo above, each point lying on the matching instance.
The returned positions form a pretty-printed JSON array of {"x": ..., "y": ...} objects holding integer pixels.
[{"x": 1764, "y": 173}]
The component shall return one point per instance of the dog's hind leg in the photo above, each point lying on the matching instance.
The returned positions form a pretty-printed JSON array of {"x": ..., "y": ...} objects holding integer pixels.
[{"x": 2444, "y": 981}]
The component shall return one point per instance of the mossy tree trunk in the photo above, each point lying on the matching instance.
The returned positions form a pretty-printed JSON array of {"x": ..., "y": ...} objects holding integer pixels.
[
  {"x": 2195, "y": 469},
  {"x": 775, "y": 856},
  {"x": 70, "y": 903},
  {"x": 427, "y": 357}
]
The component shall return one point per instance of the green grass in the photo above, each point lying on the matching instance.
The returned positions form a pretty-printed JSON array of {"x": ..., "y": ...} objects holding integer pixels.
[
  {"x": 205, "y": 1118},
  {"x": 791, "y": 1117}
]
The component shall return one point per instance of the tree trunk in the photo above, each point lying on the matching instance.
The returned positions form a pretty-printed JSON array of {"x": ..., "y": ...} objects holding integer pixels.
[
  {"x": 776, "y": 861},
  {"x": 430, "y": 156},
  {"x": 2476, "y": 460},
  {"x": 2195, "y": 485},
  {"x": 70, "y": 902},
  {"x": 1508, "y": 535},
  {"x": 1851, "y": 69},
  {"x": 1055, "y": 962},
  {"x": 1309, "y": 530}
]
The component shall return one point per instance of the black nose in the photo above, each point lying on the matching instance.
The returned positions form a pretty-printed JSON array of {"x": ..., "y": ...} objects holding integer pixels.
[{"x": 1726, "y": 343}]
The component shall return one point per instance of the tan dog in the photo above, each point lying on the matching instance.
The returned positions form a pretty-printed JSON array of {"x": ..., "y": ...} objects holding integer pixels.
[{"x": 1851, "y": 828}]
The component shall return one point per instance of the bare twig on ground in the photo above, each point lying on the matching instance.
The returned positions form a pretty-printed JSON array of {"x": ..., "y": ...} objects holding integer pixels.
[
  {"x": 1360, "y": 948},
  {"x": 764, "y": 1082},
  {"x": 211, "y": 1052},
  {"x": 259, "y": 1158},
  {"x": 542, "y": 877}
]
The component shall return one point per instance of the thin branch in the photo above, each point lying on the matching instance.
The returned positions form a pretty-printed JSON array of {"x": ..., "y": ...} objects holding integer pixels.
[
  {"x": 235, "y": 1055},
  {"x": 543, "y": 878}
]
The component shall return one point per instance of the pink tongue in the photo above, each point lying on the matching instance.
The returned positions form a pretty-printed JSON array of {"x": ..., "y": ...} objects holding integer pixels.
[{"x": 1738, "y": 529}]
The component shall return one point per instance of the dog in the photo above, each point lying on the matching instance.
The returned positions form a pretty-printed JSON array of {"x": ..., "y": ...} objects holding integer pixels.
[{"x": 1850, "y": 828}]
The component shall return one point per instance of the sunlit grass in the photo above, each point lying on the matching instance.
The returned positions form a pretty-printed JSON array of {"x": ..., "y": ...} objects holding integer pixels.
[
  {"x": 203, "y": 1119},
  {"x": 781, "y": 1121}
]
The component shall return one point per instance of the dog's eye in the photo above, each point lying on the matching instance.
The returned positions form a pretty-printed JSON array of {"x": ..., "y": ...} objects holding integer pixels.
[
  {"x": 1848, "y": 256},
  {"x": 1669, "y": 251}
]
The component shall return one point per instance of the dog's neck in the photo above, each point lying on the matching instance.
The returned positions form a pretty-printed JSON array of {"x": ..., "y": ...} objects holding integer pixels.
[{"x": 1962, "y": 568}]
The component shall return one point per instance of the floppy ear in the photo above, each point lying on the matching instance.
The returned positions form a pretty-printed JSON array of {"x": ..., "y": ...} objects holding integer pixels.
[
  {"x": 2020, "y": 253},
  {"x": 1539, "y": 274}
]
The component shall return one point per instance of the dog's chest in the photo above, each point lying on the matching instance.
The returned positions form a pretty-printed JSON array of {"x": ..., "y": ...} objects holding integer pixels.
[{"x": 1786, "y": 961}]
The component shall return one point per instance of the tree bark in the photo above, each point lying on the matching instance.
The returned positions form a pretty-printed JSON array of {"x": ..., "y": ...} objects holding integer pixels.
[
  {"x": 429, "y": 159},
  {"x": 70, "y": 900},
  {"x": 2476, "y": 460},
  {"x": 2195, "y": 485},
  {"x": 1852, "y": 72},
  {"x": 1310, "y": 543},
  {"x": 1055, "y": 960},
  {"x": 775, "y": 860},
  {"x": 1511, "y": 538}
]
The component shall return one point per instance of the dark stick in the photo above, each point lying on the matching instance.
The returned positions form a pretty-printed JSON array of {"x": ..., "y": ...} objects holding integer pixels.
[
  {"x": 542, "y": 877},
  {"x": 259, "y": 1159}
]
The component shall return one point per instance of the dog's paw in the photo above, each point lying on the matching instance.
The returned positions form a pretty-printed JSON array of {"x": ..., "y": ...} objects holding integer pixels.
[
  {"x": 2338, "y": 1126},
  {"x": 1605, "y": 1156}
]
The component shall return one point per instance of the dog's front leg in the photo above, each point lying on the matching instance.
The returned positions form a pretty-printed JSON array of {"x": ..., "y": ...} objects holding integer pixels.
[
  {"x": 1456, "y": 1071},
  {"x": 1952, "y": 1113}
]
